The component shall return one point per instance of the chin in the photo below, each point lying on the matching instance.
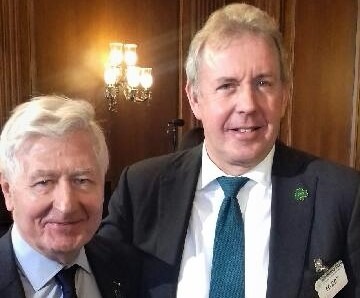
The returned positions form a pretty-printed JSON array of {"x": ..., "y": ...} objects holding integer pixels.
[
  {"x": 247, "y": 159},
  {"x": 66, "y": 244}
]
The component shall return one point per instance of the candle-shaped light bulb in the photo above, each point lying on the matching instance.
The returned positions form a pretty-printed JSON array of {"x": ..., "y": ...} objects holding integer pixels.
[
  {"x": 111, "y": 75},
  {"x": 130, "y": 55},
  {"x": 146, "y": 79},
  {"x": 116, "y": 54},
  {"x": 133, "y": 76}
]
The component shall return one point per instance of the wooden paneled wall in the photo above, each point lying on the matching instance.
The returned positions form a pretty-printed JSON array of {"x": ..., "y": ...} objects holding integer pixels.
[
  {"x": 193, "y": 14},
  {"x": 60, "y": 47},
  {"x": 15, "y": 55},
  {"x": 325, "y": 110}
]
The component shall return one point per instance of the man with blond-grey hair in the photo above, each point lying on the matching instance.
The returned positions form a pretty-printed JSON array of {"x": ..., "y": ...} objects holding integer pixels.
[
  {"x": 53, "y": 160},
  {"x": 241, "y": 215}
]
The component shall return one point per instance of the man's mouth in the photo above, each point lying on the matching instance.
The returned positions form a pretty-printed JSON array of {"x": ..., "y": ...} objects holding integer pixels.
[
  {"x": 63, "y": 223},
  {"x": 245, "y": 130}
]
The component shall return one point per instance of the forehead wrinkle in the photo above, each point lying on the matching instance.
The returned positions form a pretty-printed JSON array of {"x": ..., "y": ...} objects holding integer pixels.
[{"x": 238, "y": 71}]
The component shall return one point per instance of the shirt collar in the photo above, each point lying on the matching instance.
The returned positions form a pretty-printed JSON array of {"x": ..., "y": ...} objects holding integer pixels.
[
  {"x": 261, "y": 173},
  {"x": 37, "y": 268}
]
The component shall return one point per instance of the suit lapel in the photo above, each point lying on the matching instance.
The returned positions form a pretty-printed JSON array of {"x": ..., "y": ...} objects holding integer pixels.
[
  {"x": 177, "y": 190},
  {"x": 106, "y": 285},
  {"x": 103, "y": 272},
  {"x": 176, "y": 194},
  {"x": 291, "y": 215},
  {"x": 10, "y": 283},
  {"x": 115, "y": 268}
]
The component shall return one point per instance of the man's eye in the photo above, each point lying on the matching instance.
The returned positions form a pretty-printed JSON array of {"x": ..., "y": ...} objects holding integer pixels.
[
  {"x": 43, "y": 182},
  {"x": 225, "y": 86},
  {"x": 82, "y": 181},
  {"x": 264, "y": 83}
]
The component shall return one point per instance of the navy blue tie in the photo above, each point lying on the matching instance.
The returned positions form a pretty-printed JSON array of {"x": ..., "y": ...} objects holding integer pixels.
[
  {"x": 228, "y": 264},
  {"x": 66, "y": 279}
]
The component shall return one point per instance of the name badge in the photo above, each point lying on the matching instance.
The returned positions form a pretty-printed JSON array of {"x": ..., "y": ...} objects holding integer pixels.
[{"x": 332, "y": 281}]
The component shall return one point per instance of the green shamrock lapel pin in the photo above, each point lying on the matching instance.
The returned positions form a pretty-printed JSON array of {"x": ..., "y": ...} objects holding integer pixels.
[{"x": 300, "y": 194}]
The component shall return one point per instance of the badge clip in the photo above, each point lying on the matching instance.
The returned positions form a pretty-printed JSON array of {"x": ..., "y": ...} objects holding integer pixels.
[
  {"x": 332, "y": 280},
  {"x": 320, "y": 268}
]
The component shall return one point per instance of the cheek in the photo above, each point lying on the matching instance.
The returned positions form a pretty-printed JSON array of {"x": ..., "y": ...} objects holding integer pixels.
[
  {"x": 215, "y": 110},
  {"x": 93, "y": 205},
  {"x": 28, "y": 218},
  {"x": 273, "y": 111},
  {"x": 94, "y": 215},
  {"x": 27, "y": 208}
]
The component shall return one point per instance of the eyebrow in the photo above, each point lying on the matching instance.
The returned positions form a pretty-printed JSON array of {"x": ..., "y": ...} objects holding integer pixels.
[
  {"x": 40, "y": 173},
  {"x": 84, "y": 171},
  {"x": 81, "y": 172},
  {"x": 53, "y": 173},
  {"x": 233, "y": 79},
  {"x": 265, "y": 75},
  {"x": 226, "y": 79}
]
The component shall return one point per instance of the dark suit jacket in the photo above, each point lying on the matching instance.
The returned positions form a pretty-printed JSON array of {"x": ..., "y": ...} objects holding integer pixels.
[
  {"x": 152, "y": 204},
  {"x": 5, "y": 216},
  {"x": 123, "y": 268}
]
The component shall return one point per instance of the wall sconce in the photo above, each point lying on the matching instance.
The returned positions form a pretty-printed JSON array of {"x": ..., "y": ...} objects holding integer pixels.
[{"x": 122, "y": 76}]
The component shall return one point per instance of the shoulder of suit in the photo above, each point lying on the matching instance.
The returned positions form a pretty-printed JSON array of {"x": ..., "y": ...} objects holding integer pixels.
[
  {"x": 118, "y": 258},
  {"x": 290, "y": 158},
  {"x": 8, "y": 273},
  {"x": 168, "y": 161}
]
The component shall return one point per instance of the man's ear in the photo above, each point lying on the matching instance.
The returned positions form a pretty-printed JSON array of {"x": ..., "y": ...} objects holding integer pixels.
[
  {"x": 6, "y": 189},
  {"x": 192, "y": 96}
]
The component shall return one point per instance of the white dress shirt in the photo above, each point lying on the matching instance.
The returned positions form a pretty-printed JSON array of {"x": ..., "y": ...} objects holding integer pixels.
[
  {"x": 255, "y": 204},
  {"x": 37, "y": 272}
]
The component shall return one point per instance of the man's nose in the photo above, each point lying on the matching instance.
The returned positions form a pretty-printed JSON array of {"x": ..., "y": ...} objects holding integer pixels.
[
  {"x": 64, "y": 197},
  {"x": 246, "y": 99}
]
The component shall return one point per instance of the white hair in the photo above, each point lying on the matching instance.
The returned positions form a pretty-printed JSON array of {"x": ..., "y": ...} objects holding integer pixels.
[{"x": 50, "y": 116}]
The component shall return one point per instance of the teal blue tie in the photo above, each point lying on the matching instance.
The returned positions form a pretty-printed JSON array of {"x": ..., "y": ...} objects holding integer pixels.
[{"x": 228, "y": 264}]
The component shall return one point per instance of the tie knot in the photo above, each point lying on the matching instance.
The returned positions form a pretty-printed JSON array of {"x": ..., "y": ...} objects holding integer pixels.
[
  {"x": 232, "y": 185},
  {"x": 66, "y": 279}
]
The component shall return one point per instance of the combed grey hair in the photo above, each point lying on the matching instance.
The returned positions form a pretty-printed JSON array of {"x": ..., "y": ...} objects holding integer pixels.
[
  {"x": 50, "y": 116},
  {"x": 226, "y": 24}
]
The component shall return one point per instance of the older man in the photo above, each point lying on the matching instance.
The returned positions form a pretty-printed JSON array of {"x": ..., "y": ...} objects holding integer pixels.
[
  {"x": 53, "y": 162},
  {"x": 241, "y": 215}
]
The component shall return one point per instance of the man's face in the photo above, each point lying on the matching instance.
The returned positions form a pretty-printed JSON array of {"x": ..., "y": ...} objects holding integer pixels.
[
  {"x": 56, "y": 196},
  {"x": 240, "y": 101}
]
